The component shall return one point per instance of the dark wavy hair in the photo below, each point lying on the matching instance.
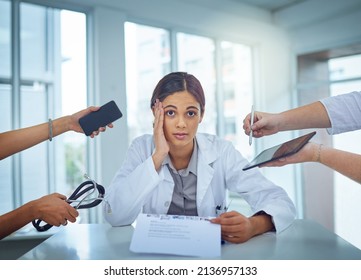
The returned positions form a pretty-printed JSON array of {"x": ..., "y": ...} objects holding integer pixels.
[{"x": 175, "y": 82}]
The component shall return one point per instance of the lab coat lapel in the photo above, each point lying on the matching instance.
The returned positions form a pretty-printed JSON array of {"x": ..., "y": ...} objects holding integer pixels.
[
  {"x": 165, "y": 190},
  {"x": 168, "y": 183},
  {"x": 206, "y": 156}
]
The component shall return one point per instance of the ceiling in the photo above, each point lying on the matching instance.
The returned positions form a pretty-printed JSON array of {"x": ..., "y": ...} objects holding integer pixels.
[{"x": 271, "y": 5}]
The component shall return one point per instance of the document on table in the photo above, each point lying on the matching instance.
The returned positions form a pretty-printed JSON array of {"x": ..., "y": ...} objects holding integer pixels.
[{"x": 176, "y": 235}]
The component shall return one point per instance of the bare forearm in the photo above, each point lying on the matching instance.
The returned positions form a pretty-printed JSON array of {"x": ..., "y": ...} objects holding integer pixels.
[
  {"x": 15, "y": 141},
  {"x": 16, "y": 219},
  {"x": 313, "y": 115},
  {"x": 346, "y": 163}
]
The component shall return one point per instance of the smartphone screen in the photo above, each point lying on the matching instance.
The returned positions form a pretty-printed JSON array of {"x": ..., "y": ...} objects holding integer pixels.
[
  {"x": 106, "y": 114},
  {"x": 283, "y": 150}
]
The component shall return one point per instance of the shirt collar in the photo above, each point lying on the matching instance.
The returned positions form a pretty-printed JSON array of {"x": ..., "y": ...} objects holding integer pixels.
[{"x": 192, "y": 166}]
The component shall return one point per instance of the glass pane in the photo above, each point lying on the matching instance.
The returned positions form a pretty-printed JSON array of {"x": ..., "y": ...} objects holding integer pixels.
[
  {"x": 345, "y": 87},
  {"x": 147, "y": 61},
  {"x": 5, "y": 105},
  {"x": 34, "y": 165},
  {"x": 345, "y": 67},
  {"x": 71, "y": 147},
  {"x": 5, "y": 165},
  {"x": 347, "y": 192},
  {"x": 196, "y": 55},
  {"x": 33, "y": 20},
  {"x": 237, "y": 86},
  {"x": 5, "y": 50}
]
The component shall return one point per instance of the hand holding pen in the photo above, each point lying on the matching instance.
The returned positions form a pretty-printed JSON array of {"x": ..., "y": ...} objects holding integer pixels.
[{"x": 258, "y": 124}]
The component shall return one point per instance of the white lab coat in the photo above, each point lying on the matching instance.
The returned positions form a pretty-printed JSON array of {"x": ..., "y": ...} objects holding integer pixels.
[{"x": 138, "y": 187}]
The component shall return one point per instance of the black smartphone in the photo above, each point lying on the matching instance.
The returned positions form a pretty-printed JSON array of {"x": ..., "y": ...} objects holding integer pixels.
[
  {"x": 283, "y": 150},
  {"x": 106, "y": 114}
]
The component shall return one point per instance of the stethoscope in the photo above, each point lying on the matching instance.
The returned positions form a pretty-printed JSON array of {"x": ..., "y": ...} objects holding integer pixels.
[{"x": 81, "y": 198}]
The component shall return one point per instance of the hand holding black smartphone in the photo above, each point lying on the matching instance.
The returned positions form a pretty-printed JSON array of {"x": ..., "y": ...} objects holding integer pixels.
[{"x": 106, "y": 114}]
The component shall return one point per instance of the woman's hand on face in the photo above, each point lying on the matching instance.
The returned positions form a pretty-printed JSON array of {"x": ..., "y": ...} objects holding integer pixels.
[{"x": 161, "y": 144}]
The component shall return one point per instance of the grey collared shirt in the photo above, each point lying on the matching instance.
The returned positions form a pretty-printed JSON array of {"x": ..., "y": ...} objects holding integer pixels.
[{"x": 184, "y": 199}]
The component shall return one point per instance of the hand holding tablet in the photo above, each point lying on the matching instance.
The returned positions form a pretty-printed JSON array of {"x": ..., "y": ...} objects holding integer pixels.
[{"x": 280, "y": 151}]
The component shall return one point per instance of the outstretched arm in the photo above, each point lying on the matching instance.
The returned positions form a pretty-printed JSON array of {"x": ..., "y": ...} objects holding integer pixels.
[
  {"x": 52, "y": 209},
  {"x": 313, "y": 115},
  {"x": 346, "y": 163},
  {"x": 15, "y": 141}
]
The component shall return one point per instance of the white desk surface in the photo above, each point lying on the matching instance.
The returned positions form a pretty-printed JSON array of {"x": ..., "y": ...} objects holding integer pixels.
[{"x": 303, "y": 240}]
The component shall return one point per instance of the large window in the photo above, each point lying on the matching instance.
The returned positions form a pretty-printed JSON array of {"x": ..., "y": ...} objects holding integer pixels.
[
  {"x": 148, "y": 59},
  {"x": 236, "y": 83},
  {"x": 196, "y": 55},
  {"x": 42, "y": 75}
]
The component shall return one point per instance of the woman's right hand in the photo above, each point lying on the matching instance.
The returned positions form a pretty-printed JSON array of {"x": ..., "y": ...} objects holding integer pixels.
[{"x": 161, "y": 144}]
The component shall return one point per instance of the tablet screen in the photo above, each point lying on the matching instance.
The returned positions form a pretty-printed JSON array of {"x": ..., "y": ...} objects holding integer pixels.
[{"x": 283, "y": 150}]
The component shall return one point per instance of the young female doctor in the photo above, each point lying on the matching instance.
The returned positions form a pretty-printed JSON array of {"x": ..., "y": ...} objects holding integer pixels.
[{"x": 181, "y": 172}]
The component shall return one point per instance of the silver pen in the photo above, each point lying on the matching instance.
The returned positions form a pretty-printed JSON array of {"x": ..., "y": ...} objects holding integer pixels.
[{"x": 252, "y": 120}]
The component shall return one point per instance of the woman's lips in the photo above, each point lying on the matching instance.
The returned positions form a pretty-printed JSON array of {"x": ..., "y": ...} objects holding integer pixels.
[{"x": 180, "y": 136}]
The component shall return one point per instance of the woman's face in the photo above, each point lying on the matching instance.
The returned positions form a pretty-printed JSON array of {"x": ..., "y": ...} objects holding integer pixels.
[{"x": 182, "y": 114}]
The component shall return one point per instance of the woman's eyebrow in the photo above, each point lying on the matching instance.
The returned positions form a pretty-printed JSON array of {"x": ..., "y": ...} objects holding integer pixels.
[
  {"x": 175, "y": 107},
  {"x": 193, "y": 107},
  {"x": 172, "y": 106}
]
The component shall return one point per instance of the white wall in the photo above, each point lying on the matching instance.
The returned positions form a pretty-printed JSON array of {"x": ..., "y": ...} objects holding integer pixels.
[{"x": 321, "y": 24}]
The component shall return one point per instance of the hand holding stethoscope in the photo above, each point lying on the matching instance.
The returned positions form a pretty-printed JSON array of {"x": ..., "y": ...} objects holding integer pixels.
[{"x": 81, "y": 198}]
